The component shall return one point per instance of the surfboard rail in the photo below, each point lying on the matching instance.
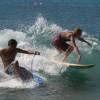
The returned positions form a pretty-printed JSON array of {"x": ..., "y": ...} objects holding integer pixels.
[
  {"x": 83, "y": 66},
  {"x": 72, "y": 65}
]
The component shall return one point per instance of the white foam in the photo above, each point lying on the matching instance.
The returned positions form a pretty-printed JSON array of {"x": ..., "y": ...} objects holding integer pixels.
[
  {"x": 15, "y": 83},
  {"x": 40, "y": 29},
  {"x": 8, "y": 34}
]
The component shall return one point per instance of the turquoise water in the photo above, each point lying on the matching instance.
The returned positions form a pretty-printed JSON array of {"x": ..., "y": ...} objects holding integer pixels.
[{"x": 33, "y": 23}]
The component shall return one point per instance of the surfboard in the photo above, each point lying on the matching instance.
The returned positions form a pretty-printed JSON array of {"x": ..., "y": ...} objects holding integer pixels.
[
  {"x": 39, "y": 79},
  {"x": 82, "y": 66},
  {"x": 35, "y": 76},
  {"x": 65, "y": 64},
  {"x": 25, "y": 77},
  {"x": 13, "y": 82}
]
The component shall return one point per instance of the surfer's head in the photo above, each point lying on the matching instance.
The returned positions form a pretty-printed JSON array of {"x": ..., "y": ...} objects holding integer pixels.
[
  {"x": 12, "y": 43},
  {"x": 77, "y": 32}
]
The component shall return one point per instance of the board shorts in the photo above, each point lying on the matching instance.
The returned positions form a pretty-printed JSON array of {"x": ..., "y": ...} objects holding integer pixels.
[
  {"x": 59, "y": 44},
  {"x": 10, "y": 69},
  {"x": 24, "y": 73}
]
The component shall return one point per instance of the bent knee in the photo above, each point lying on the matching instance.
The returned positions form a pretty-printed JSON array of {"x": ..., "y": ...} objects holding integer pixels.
[
  {"x": 70, "y": 48},
  {"x": 16, "y": 63}
]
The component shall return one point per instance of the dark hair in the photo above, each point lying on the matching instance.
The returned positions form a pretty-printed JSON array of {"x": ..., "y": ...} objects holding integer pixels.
[
  {"x": 77, "y": 31},
  {"x": 11, "y": 42}
]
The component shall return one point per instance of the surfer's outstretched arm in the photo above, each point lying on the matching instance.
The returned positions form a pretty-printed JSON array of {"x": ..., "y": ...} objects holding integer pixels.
[
  {"x": 27, "y": 52},
  {"x": 83, "y": 40}
]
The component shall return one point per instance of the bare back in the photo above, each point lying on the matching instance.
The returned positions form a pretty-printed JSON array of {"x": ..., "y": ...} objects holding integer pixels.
[
  {"x": 66, "y": 35},
  {"x": 7, "y": 56}
]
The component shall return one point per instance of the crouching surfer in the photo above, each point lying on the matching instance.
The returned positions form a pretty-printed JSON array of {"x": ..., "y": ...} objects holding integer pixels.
[
  {"x": 8, "y": 56},
  {"x": 65, "y": 42}
]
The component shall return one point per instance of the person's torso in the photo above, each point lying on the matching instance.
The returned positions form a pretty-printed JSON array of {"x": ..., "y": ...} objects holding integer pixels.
[
  {"x": 60, "y": 38},
  {"x": 8, "y": 56}
]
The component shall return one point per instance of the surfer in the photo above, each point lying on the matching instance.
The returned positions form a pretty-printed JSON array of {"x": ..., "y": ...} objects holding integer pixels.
[
  {"x": 8, "y": 56},
  {"x": 64, "y": 42}
]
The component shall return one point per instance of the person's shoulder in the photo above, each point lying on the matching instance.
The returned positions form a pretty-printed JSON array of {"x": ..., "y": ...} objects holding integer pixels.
[
  {"x": 66, "y": 32},
  {"x": 4, "y": 49}
]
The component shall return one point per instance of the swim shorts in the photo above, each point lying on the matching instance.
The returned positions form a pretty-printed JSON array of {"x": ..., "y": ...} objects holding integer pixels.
[
  {"x": 10, "y": 70},
  {"x": 59, "y": 44}
]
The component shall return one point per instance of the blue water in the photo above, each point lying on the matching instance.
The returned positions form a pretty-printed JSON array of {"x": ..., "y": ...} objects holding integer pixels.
[
  {"x": 37, "y": 19},
  {"x": 65, "y": 13}
]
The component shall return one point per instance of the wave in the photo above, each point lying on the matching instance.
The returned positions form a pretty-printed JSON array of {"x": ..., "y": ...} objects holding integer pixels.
[{"x": 38, "y": 37}]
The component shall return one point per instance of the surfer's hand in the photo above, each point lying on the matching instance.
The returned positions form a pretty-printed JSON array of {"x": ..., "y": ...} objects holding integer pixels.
[{"x": 36, "y": 53}]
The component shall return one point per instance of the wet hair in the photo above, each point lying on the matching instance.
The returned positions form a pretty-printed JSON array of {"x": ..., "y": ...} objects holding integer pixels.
[
  {"x": 78, "y": 31},
  {"x": 12, "y": 42}
]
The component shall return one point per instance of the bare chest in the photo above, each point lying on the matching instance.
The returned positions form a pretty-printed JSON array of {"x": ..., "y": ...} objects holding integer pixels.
[{"x": 8, "y": 56}]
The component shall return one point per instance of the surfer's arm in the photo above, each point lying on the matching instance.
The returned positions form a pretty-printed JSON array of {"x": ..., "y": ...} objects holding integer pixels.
[
  {"x": 27, "y": 52},
  {"x": 83, "y": 40},
  {"x": 75, "y": 48}
]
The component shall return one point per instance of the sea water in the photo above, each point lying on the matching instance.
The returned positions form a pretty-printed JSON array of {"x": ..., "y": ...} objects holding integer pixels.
[{"x": 33, "y": 23}]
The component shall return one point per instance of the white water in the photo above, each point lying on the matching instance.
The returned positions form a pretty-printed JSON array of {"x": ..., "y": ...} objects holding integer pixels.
[{"x": 35, "y": 38}]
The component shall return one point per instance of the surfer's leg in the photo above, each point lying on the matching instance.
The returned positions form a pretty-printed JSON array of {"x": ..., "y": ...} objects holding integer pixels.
[
  {"x": 16, "y": 69},
  {"x": 68, "y": 52}
]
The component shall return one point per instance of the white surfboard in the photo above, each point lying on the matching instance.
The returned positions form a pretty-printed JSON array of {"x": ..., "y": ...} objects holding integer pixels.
[
  {"x": 83, "y": 66},
  {"x": 65, "y": 64}
]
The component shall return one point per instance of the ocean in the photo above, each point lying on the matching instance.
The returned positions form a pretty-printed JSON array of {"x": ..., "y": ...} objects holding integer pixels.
[{"x": 33, "y": 23}]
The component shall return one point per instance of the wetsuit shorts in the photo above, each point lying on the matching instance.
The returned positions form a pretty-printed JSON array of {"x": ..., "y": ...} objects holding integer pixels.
[
  {"x": 59, "y": 43},
  {"x": 10, "y": 70}
]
